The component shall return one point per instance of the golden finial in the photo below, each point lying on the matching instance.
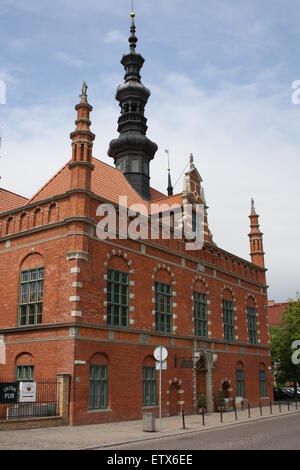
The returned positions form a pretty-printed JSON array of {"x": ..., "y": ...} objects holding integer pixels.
[{"x": 132, "y": 14}]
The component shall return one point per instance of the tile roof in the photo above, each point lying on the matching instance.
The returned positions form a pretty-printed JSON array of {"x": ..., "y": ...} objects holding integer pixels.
[
  {"x": 107, "y": 182},
  {"x": 10, "y": 201}
]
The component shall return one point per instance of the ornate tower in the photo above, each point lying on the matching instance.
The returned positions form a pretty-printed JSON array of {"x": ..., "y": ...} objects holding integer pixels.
[
  {"x": 256, "y": 239},
  {"x": 132, "y": 151},
  {"x": 82, "y": 144}
]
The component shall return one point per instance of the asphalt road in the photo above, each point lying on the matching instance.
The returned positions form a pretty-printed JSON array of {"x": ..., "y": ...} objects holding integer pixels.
[{"x": 277, "y": 433}]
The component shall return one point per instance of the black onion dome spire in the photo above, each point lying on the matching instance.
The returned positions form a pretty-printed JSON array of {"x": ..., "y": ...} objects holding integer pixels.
[{"x": 132, "y": 151}]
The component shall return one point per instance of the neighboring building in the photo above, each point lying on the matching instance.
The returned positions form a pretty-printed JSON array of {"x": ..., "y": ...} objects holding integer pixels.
[
  {"x": 96, "y": 309},
  {"x": 275, "y": 310}
]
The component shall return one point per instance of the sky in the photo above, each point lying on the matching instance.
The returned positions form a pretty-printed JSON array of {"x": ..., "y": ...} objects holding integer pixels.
[{"x": 220, "y": 74}]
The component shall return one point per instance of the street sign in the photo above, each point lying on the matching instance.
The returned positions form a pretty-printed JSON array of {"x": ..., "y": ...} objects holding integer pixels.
[
  {"x": 8, "y": 392},
  {"x": 27, "y": 392},
  {"x": 160, "y": 353},
  {"x": 163, "y": 365}
]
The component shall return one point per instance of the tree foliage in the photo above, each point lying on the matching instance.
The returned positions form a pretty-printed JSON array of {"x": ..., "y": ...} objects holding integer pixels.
[{"x": 282, "y": 338}]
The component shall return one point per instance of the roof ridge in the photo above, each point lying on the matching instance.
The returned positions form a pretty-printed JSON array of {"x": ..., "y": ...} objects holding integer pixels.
[
  {"x": 166, "y": 197},
  {"x": 15, "y": 194}
]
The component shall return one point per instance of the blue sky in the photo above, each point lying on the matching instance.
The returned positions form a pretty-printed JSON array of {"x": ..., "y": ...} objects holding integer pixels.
[{"x": 220, "y": 73}]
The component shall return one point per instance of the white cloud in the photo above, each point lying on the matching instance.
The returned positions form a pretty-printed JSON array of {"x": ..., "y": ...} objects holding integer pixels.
[
  {"x": 70, "y": 60},
  {"x": 115, "y": 35}
]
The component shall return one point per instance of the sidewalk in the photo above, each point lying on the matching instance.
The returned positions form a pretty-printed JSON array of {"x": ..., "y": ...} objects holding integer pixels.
[{"x": 112, "y": 434}]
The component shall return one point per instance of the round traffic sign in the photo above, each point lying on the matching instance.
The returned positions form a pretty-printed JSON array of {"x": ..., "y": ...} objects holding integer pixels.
[{"x": 160, "y": 353}]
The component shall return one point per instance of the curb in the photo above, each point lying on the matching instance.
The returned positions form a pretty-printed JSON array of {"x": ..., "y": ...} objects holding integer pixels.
[{"x": 188, "y": 431}]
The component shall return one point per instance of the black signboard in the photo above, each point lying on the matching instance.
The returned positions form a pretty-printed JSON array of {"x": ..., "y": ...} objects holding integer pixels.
[
  {"x": 8, "y": 392},
  {"x": 187, "y": 363}
]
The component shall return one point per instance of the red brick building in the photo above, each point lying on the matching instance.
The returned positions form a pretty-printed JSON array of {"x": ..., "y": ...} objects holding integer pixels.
[
  {"x": 275, "y": 310},
  {"x": 96, "y": 309}
]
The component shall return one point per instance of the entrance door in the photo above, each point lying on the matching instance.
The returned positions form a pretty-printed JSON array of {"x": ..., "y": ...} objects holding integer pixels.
[
  {"x": 201, "y": 383},
  {"x": 173, "y": 399}
]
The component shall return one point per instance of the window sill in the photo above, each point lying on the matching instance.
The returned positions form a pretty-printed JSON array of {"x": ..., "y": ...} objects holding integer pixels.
[
  {"x": 147, "y": 407},
  {"x": 101, "y": 410}
]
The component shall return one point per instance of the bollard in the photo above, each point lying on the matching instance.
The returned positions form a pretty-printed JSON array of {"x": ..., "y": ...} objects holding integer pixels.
[
  {"x": 249, "y": 413},
  {"x": 203, "y": 417},
  {"x": 235, "y": 412},
  {"x": 221, "y": 415},
  {"x": 279, "y": 403},
  {"x": 260, "y": 408},
  {"x": 288, "y": 404},
  {"x": 296, "y": 403},
  {"x": 271, "y": 412},
  {"x": 183, "y": 419}
]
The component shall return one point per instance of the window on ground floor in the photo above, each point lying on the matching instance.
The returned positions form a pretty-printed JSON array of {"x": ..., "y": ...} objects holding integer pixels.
[
  {"x": 240, "y": 386},
  {"x": 262, "y": 383},
  {"x": 25, "y": 373},
  {"x": 149, "y": 386},
  {"x": 98, "y": 393}
]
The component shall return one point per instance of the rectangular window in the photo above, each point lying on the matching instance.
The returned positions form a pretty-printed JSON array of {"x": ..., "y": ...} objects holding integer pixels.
[
  {"x": 149, "y": 386},
  {"x": 252, "y": 325},
  {"x": 240, "y": 390},
  {"x": 117, "y": 298},
  {"x": 31, "y": 297},
  {"x": 163, "y": 307},
  {"x": 228, "y": 319},
  {"x": 262, "y": 383},
  {"x": 98, "y": 390},
  {"x": 24, "y": 373},
  {"x": 200, "y": 314}
]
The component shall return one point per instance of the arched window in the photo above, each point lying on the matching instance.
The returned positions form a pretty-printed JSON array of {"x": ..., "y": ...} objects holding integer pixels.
[
  {"x": 200, "y": 310},
  {"x": 23, "y": 222},
  {"x": 98, "y": 382},
  {"x": 228, "y": 316},
  {"x": 52, "y": 213},
  {"x": 240, "y": 384},
  {"x": 31, "y": 291},
  {"x": 252, "y": 321},
  {"x": 163, "y": 304},
  {"x": 37, "y": 219},
  {"x": 10, "y": 226},
  {"x": 149, "y": 382},
  {"x": 24, "y": 367},
  {"x": 262, "y": 381},
  {"x": 118, "y": 295}
]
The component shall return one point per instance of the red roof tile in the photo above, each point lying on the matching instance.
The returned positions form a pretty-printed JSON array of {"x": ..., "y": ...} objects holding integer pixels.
[
  {"x": 10, "y": 201},
  {"x": 107, "y": 182}
]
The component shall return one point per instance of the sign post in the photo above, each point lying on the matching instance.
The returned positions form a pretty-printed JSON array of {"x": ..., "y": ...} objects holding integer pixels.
[{"x": 160, "y": 354}]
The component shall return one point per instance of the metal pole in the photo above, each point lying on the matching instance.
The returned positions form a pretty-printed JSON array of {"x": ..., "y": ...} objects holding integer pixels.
[
  {"x": 235, "y": 412},
  {"x": 203, "y": 419},
  {"x": 279, "y": 403},
  {"x": 271, "y": 412},
  {"x": 260, "y": 407},
  {"x": 288, "y": 404},
  {"x": 221, "y": 415},
  {"x": 183, "y": 420},
  {"x": 249, "y": 414},
  {"x": 296, "y": 402},
  {"x": 160, "y": 420}
]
